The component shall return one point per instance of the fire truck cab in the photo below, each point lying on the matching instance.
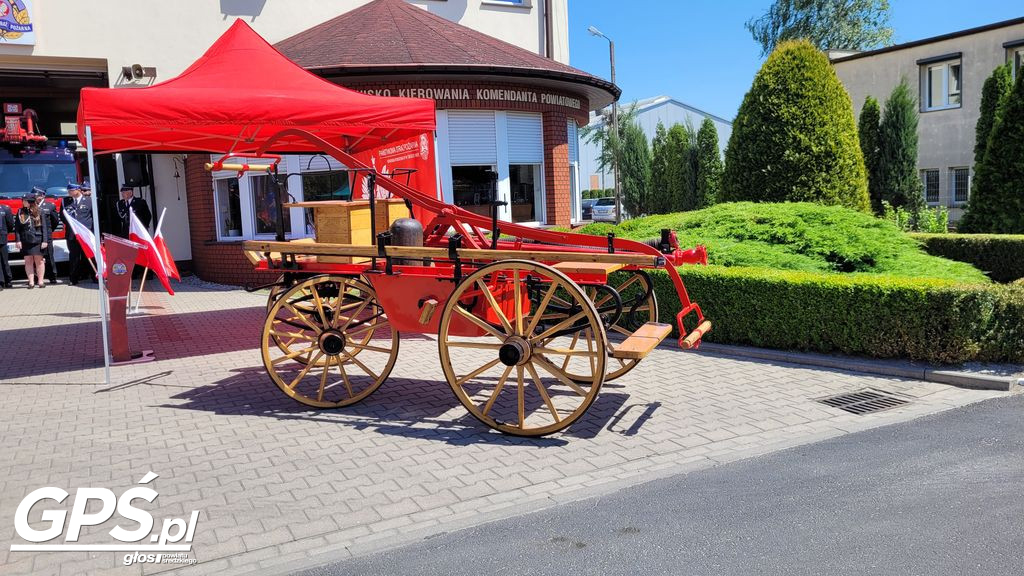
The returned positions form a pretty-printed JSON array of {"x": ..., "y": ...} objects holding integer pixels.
[{"x": 27, "y": 160}]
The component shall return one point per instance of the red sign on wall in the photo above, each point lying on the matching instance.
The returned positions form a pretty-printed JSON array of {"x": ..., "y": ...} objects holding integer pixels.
[{"x": 410, "y": 161}]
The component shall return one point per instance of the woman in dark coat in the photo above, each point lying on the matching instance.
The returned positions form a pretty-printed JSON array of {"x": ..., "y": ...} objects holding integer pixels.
[{"x": 32, "y": 233}]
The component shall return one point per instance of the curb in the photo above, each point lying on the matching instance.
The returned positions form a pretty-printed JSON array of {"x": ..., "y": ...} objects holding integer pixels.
[{"x": 927, "y": 373}]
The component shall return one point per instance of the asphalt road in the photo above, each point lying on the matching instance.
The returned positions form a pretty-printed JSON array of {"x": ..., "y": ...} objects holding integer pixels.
[{"x": 938, "y": 495}]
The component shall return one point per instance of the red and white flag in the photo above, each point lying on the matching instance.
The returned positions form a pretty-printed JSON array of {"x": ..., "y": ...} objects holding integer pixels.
[
  {"x": 150, "y": 257},
  {"x": 84, "y": 236},
  {"x": 165, "y": 253}
]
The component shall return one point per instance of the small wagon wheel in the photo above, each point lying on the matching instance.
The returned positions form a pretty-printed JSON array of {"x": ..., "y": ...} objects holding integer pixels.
[
  {"x": 634, "y": 291},
  {"x": 513, "y": 378},
  {"x": 327, "y": 342}
]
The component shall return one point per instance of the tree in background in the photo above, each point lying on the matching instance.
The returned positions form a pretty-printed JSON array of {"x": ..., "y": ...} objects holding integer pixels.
[
  {"x": 828, "y": 24},
  {"x": 634, "y": 168},
  {"x": 897, "y": 179},
  {"x": 709, "y": 164},
  {"x": 996, "y": 89},
  {"x": 997, "y": 204},
  {"x": 603, "y": 137},
  {"x": 795, "y": 137},
  {"x": 660, "y": 192},
  {"x": 682, "y": 153},
  {"x": 867, "y": 129}
]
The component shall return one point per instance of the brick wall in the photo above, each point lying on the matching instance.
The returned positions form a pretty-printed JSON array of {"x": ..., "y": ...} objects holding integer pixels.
[{"x": 557, "y": 181}]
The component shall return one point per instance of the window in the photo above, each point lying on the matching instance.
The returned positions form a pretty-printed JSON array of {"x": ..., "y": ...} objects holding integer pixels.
[
  {"x": 525, "y": 139},
  {"x": 940, "y": 85},
  {"x": 525, "y": 187},
  {"x": 473, "y": 188},
  {"x": 229, "y": 208},
  {"x": 1018, "y": 61},
  {"x": 959, "y": 183},
  {"x": 930, "y": 178},
  {"x": 264, "y": 205}
]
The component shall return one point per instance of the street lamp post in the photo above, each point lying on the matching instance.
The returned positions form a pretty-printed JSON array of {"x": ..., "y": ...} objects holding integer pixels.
[{"x": 615, "y": 126}]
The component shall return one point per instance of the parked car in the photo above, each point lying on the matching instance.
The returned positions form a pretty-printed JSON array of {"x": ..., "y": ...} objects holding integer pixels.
[
  {"x": 604, "y": 210},
  {"x": 586, "y": 212}
]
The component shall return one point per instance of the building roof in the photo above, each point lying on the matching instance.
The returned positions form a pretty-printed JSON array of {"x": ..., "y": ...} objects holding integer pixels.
[
  {"x": 393, "y": 36},
  {"x": 645, "y": 104},
  {"x": 950, "y": 36}
]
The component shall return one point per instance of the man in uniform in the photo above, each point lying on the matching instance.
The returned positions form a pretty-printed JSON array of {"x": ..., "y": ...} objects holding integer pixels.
[
  {"x": 6, "y": 227},
  {"x": 128, "y": 204},
  {"x": 49, "y": 212},
  {"x": 79, "y": 207}
]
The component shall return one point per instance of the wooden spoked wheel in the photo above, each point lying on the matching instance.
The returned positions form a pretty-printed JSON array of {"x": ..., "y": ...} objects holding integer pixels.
[
  {"x": 514, "y": 378},
  {"x": 639, "y": 305},
  {"x": 327, "y": 342},
  {"x": 275, "y": 291}
]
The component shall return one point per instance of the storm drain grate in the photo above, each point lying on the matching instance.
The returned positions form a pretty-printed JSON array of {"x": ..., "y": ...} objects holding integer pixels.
[{"x": 864, "y": 401}]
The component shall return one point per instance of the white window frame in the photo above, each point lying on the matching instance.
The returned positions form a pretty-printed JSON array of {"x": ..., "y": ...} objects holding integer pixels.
[
  {"x": 501, "y": 167},
  {"x": 953, "y": 189},
  {"x": 924, "y": 186},
  {"x": 289, "y": 165},
  {"x": 926, "y": 78}
]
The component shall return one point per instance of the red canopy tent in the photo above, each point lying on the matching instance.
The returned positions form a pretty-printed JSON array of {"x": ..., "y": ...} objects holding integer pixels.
[
  {"x": 243, "y": 97},
  {"x": 240, "y": 93}
]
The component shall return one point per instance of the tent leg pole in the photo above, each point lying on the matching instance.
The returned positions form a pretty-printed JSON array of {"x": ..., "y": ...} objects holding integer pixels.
[{"x": 105, "y": 329}]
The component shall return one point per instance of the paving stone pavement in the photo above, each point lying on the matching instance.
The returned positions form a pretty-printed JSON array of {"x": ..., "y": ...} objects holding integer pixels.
[{"x": 280, "y": 487}]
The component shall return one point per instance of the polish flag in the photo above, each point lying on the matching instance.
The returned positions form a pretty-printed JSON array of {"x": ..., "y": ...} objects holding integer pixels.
[
  {"x": 84, "y": 236},
  {"x": 165, "y": 253},
  {"x": 150, "y": 257}
]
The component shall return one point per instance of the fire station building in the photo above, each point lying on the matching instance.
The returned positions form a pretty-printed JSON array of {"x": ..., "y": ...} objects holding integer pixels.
[{"x": 508, "y": 104}]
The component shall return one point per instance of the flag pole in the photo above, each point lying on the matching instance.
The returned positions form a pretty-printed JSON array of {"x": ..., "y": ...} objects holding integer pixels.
[
  {"x": 104, "y": 328},
  {"x": 145, "y": 271}
]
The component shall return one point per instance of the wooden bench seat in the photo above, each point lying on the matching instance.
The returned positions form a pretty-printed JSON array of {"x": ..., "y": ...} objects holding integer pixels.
[{"x": 641, "y": 342}]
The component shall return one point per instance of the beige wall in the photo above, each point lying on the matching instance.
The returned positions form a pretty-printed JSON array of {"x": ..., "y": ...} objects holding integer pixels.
[
  {"x": 170, "y": 35},
  {"x": 946, "y": 137}
]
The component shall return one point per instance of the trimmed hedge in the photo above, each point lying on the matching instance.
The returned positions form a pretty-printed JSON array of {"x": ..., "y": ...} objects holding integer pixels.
[
  {"x": 884, "y": 317},
  {"x": 1001, "y": 256}
]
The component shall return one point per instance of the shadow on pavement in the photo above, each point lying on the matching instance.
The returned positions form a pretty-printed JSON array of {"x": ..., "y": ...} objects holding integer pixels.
[{"x": 411, "y": 408}]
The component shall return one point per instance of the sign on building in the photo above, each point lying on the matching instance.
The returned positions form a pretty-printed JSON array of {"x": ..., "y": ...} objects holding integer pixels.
[{"x": 16, "y": 23}]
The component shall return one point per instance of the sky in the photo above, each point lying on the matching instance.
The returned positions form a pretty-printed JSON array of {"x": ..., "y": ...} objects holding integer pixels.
[{"x": 698, "y": 51}]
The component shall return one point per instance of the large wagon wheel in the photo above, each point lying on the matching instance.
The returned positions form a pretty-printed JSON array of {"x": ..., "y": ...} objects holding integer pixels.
[
  {"x": 513, "y": 378},
  {"x": 625, "y": 304},
  {"x": 327, "y": 343}
]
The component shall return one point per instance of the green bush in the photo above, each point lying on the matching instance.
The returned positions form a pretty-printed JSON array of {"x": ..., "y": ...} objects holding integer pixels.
[
  {"x": 928, "y": 220},
  {"x": 997, "y": 199},
  {"x": 795, "y": 137},
  {"x": 1001, "y": 256},
  {"x": 897, "y": 178},
  {"x": 797, "y": 236},
  {"x": 598, "y": 193},
  {"x": 867, "y": 130},
  {"x": 709, "y": 164},
  {"x": 993, "y": 96},
  {"x": 882, "y": 317},
  {"x": 634, "y": 168}
]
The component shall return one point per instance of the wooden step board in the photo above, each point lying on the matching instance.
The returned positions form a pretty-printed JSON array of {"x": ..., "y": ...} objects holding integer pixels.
[{"x": 641, "y": 342}]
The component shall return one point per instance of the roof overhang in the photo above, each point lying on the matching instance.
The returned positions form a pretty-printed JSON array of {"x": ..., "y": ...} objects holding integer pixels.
[{"x": 599, "y": 92}]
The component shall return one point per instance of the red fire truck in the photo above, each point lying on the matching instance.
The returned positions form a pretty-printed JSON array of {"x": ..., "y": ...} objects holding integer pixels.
[{"x": 27, "y": 160}]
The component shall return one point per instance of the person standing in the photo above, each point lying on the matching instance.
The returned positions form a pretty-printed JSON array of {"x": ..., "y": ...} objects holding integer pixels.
[
  {"x": 32, "y": 233},
  {"x": 79, "y": 207},
  {"x": 49, "y": 212},
  {"x": 6, "y": 227},
  {"x": 128, "y": 204}
]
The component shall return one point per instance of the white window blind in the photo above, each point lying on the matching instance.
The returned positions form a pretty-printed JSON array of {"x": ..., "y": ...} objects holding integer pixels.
[
  {"x": 525, "y": 138},
  {"x": 574, "y": 143},
  {"x": 471, "y": 137}
]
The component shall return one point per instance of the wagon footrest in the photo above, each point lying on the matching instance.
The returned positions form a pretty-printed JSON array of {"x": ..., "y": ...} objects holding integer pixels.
[
  {"x": 641, "y": 342},
  {"x": 691, "y": 340}
]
